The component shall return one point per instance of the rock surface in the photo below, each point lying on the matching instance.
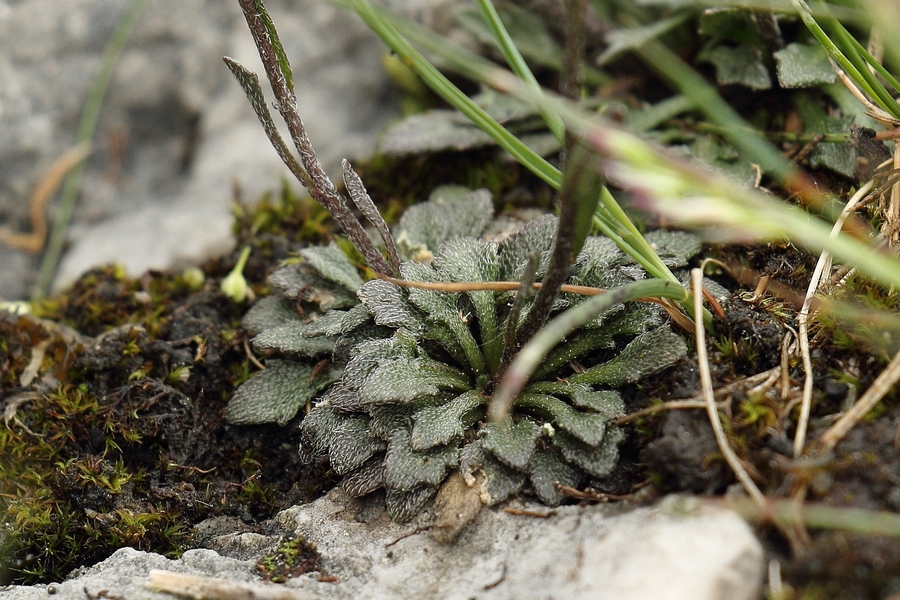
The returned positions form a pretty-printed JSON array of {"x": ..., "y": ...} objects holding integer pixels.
[
  {"x": 175, "y": 129},
  {"x": 677, "y": 550}
]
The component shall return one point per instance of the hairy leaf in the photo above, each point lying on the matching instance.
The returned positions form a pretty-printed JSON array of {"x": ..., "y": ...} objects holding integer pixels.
[
  {"x": 331, "y": 262},
  {"x": 675, "y": 248},
  {"x": 802, "y": 65},
  {"x": 291, "y": 339},
  {"x": 343, "y": 399},
  {"x": 268, "y": 312},
  {"x": 451, "y": 212},
  {"x": 406, "y": 469},
  {"x": 605, "y": 402},
  {"x": 432, "y": 131},
  {"x": 647, "y": 354},
  {"x": 367, "y": 355},
  {"x": 547, "y": 468},
  {"x": 471, "y": 260},
  {"x": 441, "y": 308},
  {"x": 742, "y": 65},
  {"x": 406, "y": 380},
  {"x": 276, "y": 394},
  {"x": 599, "y": 460},
  {"x": 303, "y": 283},
  {"x": 347, "y": 342},
  {"x": 589, "y": 428},
  {"x": 536, "y": 237},
  {"x": 438, "y": 425},
  {"x": 500, "y": 481},
  {"x": 513, "y": 444},
  {"x": 403, "y": 505},
  {"x": 389, "y": 305},
  {"x": 315, "y": 432},
  {"x": 365, "y": 479},
  {"x": 389, "y": 418},
  {"x": 352, "y": 444}
]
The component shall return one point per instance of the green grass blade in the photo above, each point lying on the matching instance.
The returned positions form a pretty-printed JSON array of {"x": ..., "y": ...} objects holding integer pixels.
[
  {"x": 453, "y": 96},
  {"x": 863, "y": 78},
  {"x": 517, "y": 63},
  {"x": 851, "y": 49},
  {"x": 583, "y": 182},
  {"x": 535, "y": 351},
  {"x": 879, "y": 68},
  {"x": 610, "y": 219},
  {"x": 705, "y": 97}
]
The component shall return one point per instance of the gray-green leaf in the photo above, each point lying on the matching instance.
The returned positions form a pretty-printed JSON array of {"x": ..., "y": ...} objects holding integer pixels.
[
  {"x": 352, "y": 444},
  {"x": 742, "y": 65},
  {"x": 331, "y": 262},
  {"x": 432, "y": 131},
  {"x": 512, "y": 444},
  {"x": 406, "y": 380},
  {"x": 451, "y": 212},
  {"x": 268, "y": 312},
  {"x": 303, "y": 282},
  {"x": 547, "y": 468},
  {"x": 291, "y": 339},
  {"x": 276, "y": 394},
  {"x": 403, "y": 505},
  {"x": 439, "y": 425},
  {"x": 536, "y": 237},
  {"x": 647, "y": 354},
  {"x": 675, "y": 248},
  {"x": 500, "y": 481},
  {"x": 406, "y": 469},
  {"x": 599, "y": 460},
  {"x": 588, "y": 427},
  {"x": 802, "y": 65},
  {"x": 365, "y": 479},
  {"x": 389, "y": 305},
  {"x": 608, "y": 403}
]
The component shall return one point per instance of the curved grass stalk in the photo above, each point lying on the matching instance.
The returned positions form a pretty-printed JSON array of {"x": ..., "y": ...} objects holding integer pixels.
[{"x": 530, "y": 356}]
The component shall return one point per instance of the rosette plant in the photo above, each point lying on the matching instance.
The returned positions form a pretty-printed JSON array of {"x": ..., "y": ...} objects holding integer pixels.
[{"x": 421, "y": 376}]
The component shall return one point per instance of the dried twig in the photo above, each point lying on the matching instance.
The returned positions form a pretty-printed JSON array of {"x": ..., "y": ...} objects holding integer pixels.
[
  {"x": 698, "y": 401},
  {"x": 671, "y": 405},
  {"x": 876, "y": 112},
  {"x": 823, "y": 264},
  {"x": 34, "y": 242},
  {"x": 209, "y": 588},
  {"x": 892, "y": 216},
  {"x": 881, "y": 386},
  {"x": 706, "y": 385}
]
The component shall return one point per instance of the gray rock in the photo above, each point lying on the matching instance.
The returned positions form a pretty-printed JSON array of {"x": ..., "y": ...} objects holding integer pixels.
[
  {"x": 175, "y": 130},
  {"x": 680, "y": 549}
]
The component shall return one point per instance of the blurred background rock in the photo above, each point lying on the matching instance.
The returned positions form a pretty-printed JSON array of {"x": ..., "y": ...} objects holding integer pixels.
[{"x": 175, "y": 130}]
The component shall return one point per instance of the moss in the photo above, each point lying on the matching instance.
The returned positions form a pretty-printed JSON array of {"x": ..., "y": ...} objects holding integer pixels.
[
  {"x": 120, "y": 443},
  {"x": 294, "y": 557}
]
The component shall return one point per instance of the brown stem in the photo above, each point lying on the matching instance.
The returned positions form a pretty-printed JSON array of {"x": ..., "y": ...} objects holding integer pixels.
[{"x": 323, "y": 190}]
